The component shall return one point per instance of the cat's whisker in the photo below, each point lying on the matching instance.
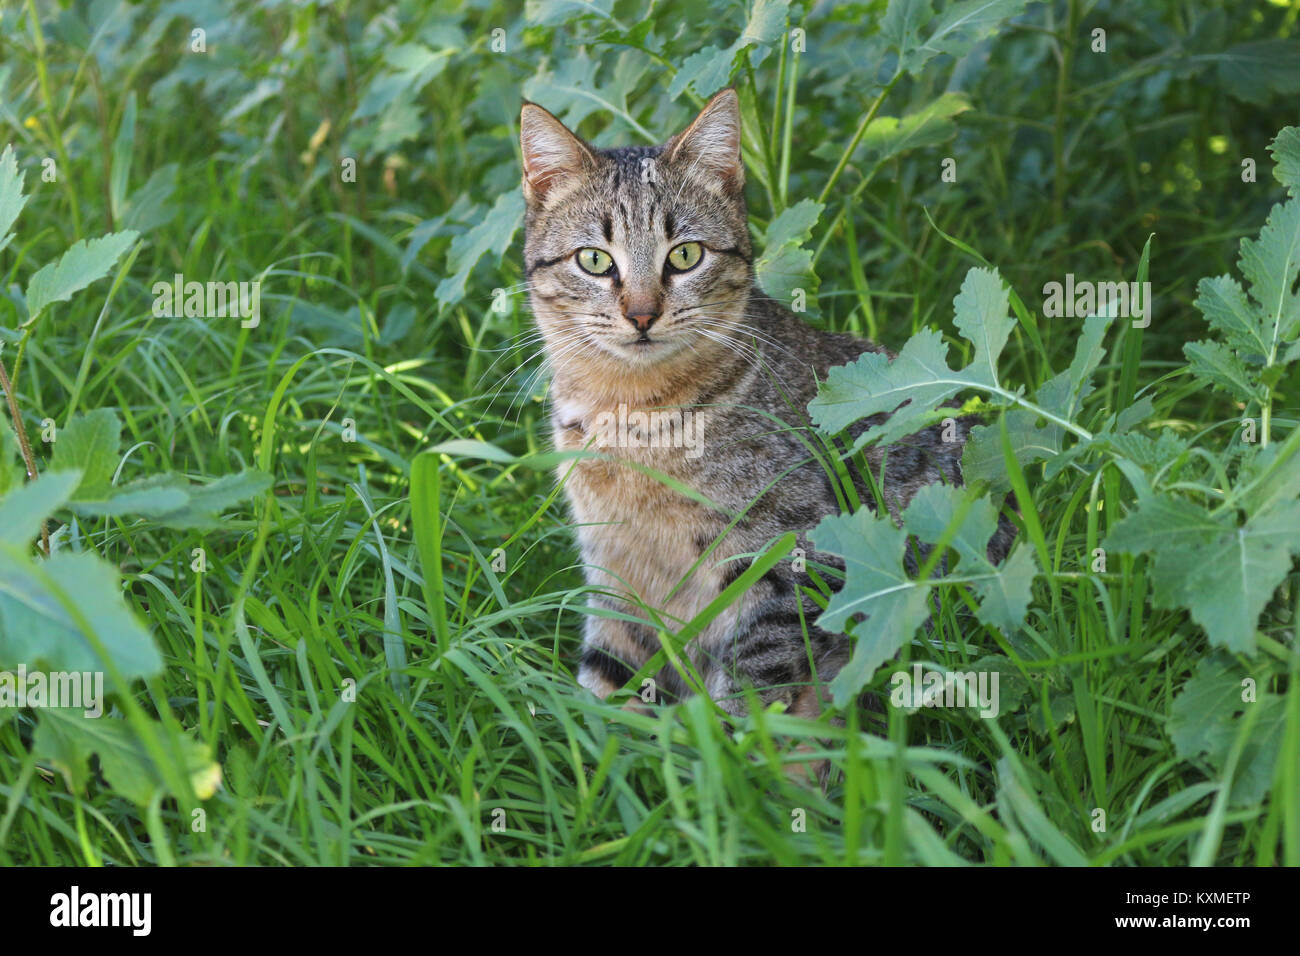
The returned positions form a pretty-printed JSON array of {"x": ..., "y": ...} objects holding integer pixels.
[
  {"x": 758, "y": 334},
  {"x": 553, "y": 358},
  {"x": 750, "y": 357},
  {"x": 563, "y": 338},
  {"x": 755, "y": 359}
]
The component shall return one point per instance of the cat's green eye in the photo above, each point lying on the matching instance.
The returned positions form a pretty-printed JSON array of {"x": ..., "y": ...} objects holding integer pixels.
[
  {"x": 686, "y": 256},
  {"x": 595, "y": 261}
]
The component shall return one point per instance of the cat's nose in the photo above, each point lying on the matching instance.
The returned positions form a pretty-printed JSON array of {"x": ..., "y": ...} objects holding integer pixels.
[{"x": 642, "y": 319}]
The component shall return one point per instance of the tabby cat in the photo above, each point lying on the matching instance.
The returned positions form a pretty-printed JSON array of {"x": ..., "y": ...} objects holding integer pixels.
[{"x": 665, "y": 354}]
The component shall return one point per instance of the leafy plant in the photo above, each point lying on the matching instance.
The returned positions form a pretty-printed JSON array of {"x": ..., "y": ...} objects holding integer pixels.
[
  {"x": 1221, "y": 551},
  {"x": 1220, "y": 539},
  {"x": 65, "y": 612},
  {"x": 382, "y": 660}
]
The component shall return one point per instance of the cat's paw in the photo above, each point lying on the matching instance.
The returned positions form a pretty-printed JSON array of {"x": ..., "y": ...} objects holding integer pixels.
[
  {"x": 807, "y": 771},
  {"x": 636, "y": 705}
]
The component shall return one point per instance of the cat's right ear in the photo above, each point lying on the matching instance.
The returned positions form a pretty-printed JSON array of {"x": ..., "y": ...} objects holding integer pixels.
[{"x": 551, "y": 153}]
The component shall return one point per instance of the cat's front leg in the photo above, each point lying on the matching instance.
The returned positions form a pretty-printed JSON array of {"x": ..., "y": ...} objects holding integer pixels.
[
  {"x": 613, "y": 650},
  {"x": 769, "y": 652},
  {"x": 782, "y": 658}
]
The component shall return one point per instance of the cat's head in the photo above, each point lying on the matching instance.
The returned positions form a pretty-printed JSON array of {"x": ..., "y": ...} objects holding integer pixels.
[{"x": 637, "y": 258}]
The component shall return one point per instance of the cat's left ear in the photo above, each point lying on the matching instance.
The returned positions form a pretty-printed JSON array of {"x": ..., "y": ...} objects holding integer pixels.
[
  {"x": 551, "y": 153},
  {"x": 712, "y": 142}
]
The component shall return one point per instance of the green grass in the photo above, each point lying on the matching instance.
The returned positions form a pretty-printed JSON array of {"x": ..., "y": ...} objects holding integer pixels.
[{"x": 374, "y": 691}]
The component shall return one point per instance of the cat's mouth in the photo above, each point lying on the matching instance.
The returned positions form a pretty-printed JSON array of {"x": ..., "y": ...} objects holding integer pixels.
[
  {"x": 641, "y": 342},
  {"x": 644, "y": 348},
  {"x": 641, "y": 349}
]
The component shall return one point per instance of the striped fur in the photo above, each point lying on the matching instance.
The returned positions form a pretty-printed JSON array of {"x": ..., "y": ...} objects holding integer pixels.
[{"x": 737, "y": 360}]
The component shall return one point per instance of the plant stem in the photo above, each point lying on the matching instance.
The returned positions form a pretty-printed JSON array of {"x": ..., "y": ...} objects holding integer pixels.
[
  {"x": 788, "y": 117},
  {"x": 23, "y": 444},
  {"x": 857, "y": 137}
]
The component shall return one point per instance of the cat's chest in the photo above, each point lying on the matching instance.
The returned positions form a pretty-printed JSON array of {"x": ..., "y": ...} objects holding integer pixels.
[{"x": 637, "y": 533}]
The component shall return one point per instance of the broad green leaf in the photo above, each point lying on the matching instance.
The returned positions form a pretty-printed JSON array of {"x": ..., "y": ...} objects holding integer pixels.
[
  {"x": 89, "y": 446},
  {"x": 1286, "y": 153},
  {"x": 573, "y": 93},
  {"x": 1218, "y": 365},
  {"x": 1004, "y": 590},
  {"x": 66, "y": 739},
  {"x": 37, "y": 630},
  {"x": 958, "y": 28},
  {"x": 705, "y": 71},
  {"x": 1061, "y": 709},
  {"x": 57, "y": 743},
  {"x": 876, "y": 586},
  {"x": 1258, "y": 763},
  {"x": 1240, "y": 574},
  {"x": 1260, "y": 69},
  {"x": 1150, "y": 453},
  {"x": 408, "y": 68},
  {"x": 402, "y": 121},
  {"x": 1206, "y": 717},
  {"x": 1223, "y": 574},
  {"x": 918, "y": 379},
  {"x": 12, "y": 199},
  {"x": 461, "y": 211},
  {"x": 935, "y": 508},
  {"x": 1013, "y": 688},
  {"x": 150, "y": 497},
  {"x": 1005, "y": 595},
  {"x": 888, "y": 136},
  {"x": 208, "y": 501},
  {"x": 1172, "y": 531},
  {"x": 175, "y": 502},
  {"x": 1202, "y": 716},
  {"x": 87, "y": 261},
  {"x": 919, "y": 375},
  {"x": 1271, "y": 263},
  {"x": 1228, "y": 312},
  {"x": 1077, "y": 380},
  {"x": 228, "y": 490},
  {"x": 89, "y": 443},
  {"x": 24, "y": 507},
  {"x": 1276, "y": 481},
  {"x": 550, "y": 13},
  {"x": 901, "y": 29},
  {"x": 784, "y": 266},
  {"x": 1031, "y": 441},
  {"x": 709, "y": 70},
  {"x": 640, "y": 36},
  {"x": 493, "y": 234},
  {"x": 983, "y": 316},
  {"x": 1137, "y": 413}
]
